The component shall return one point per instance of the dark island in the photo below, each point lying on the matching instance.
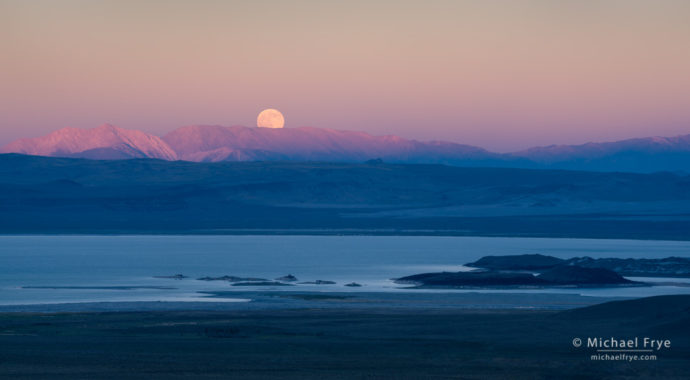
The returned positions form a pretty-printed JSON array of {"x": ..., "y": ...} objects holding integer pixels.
[
  {"x": 536, "y": 270},
  {"x": 260, "y": 283},
  {"x": 517, "y": 262},
  {"x": 288, "y": 278},
  {"x": 173, "y": 277},
  {"x": 565, "y": 275},
  {"x": 666, "y": 267},
  {"x": 318, "y": 282},
  {"x": 231, "y": 279}
]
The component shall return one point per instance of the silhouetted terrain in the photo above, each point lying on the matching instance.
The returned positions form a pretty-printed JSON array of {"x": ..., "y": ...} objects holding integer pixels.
[
  {"x": 665, "y": 267},
  {"x": 61, "y": 195},
  {"x": 345, "y": 343},
  {"x": 564, "y": 275}
]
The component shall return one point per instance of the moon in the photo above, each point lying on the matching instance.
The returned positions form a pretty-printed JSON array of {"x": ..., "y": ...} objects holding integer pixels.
[{"x": 270, "y": 118}]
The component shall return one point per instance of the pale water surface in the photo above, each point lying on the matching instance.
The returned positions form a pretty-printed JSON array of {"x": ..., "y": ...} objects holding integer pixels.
[{"x": 116, "y": 261}]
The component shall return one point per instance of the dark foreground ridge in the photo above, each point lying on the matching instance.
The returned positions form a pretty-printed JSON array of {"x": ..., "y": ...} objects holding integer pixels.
[
  {"x": 145, "y": 196},
  {"x": 344, "y": 344}
]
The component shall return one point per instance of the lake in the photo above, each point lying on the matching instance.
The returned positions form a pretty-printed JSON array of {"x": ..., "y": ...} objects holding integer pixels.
[{"x": 122, "y": 268}]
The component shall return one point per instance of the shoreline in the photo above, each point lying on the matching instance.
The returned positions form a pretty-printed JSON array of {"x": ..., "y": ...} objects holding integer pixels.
[{"x": 276, "y": 300}]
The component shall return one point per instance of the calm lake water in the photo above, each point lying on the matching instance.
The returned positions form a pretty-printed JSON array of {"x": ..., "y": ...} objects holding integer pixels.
[{"x": 132, "y": 261}]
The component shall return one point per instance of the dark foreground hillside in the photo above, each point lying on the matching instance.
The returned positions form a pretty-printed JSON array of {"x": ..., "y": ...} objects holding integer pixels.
[
  {"x": 345, "y": 343},
  {"x": 59, "y": 195}
]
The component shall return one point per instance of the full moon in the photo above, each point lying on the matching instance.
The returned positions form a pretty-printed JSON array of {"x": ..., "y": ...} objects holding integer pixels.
[{"x": 270, "y": 118}]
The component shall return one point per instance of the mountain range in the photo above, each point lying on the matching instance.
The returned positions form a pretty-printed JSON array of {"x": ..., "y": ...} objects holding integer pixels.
[{"x": 204, "y": 143}]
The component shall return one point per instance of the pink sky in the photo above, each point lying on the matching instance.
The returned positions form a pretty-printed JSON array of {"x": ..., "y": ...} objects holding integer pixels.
[{"x": 504, "y": 75}]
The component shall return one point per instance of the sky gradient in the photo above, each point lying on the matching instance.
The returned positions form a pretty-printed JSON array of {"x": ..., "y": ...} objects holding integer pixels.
[{"x": 503, "y": 75}]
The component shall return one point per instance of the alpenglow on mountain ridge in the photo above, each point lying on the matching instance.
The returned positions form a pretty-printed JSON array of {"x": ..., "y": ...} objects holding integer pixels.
[{"x": 205, "y": 143}]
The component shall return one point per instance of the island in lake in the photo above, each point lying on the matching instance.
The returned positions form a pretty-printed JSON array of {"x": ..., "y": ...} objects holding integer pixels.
[
  {"x": 519, "y": 271},
  {"x": 666, "y": 267}
]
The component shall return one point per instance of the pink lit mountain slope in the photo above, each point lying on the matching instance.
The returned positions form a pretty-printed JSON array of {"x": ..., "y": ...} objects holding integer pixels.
[
  {"x": 106, "y": 142},
  {"x": 216, "y": 143},
  {"x": 204, "y": 143},
  {"x": 636, "y": 155}
]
